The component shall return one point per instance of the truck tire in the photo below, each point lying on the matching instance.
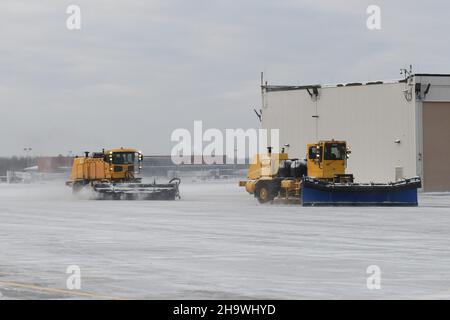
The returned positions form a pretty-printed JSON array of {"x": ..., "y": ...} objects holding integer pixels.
[{"x": 265, "y": 192}]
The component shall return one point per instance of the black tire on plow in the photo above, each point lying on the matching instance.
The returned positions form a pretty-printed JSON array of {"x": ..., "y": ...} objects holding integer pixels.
[{"x": 266, "y": 191}]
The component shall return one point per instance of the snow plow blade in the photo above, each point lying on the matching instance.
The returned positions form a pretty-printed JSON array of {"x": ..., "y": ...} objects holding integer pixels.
[
  {"x": 138, "y": 191},
  {"x": 321, "y": 193}
]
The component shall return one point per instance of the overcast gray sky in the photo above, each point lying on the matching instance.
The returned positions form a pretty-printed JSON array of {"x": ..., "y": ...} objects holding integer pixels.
[{"x": 139, "y": 69}]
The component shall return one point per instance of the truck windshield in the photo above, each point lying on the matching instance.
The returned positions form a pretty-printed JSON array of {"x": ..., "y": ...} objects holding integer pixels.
[
  {"x": 123, "y": 158},
  {"x": 335, "y": 151}
]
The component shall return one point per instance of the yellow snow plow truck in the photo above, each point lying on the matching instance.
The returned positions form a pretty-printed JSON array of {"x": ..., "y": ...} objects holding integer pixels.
[
  {"x": 321, "y": 180},
  {"x": 112, "y": 175}
]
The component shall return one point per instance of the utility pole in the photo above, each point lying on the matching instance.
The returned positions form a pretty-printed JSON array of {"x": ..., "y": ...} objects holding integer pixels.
[{"x": 27, "y": 156}]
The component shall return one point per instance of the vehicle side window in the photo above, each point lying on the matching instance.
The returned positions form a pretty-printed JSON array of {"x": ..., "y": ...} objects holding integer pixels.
[{"x": 313, "y": 153}]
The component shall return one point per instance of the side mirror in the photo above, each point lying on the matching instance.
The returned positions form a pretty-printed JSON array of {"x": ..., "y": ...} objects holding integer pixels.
[
  {"x": 319, "y": 154},
  {"x": 318, "y": 159}
]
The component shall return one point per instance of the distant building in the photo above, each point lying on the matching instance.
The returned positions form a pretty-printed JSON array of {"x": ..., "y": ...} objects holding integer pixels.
[
  {"x": 164, "y": 166},
  {"x": 54, "y": 164},
  {"x": 395, "y": 129},
  {"x": 152, "y": 166}
]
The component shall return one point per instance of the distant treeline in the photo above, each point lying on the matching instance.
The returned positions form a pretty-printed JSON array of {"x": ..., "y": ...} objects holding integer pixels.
[{"x": 15, "y": 164}]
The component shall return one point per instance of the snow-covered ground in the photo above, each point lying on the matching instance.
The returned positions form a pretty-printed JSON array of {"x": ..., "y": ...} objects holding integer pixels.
[{"x": 217, "y": 242}]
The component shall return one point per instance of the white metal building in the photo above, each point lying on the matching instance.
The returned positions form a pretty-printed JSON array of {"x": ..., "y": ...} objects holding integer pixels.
[{"x": 395, "y": 128}]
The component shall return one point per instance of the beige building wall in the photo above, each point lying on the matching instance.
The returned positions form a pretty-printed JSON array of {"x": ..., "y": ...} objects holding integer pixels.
[
  {"x": 433, "y": 115},
  {"x": 436, "y": 147}
]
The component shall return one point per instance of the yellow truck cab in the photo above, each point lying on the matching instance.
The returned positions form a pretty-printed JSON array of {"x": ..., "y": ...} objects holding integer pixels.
[
  {"x": 112, "y": 165},
  {"x": 327, "y": 160}
]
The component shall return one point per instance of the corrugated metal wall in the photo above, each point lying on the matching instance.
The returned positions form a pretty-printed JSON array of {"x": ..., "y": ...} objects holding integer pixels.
[{"x": 369, "y": 117}]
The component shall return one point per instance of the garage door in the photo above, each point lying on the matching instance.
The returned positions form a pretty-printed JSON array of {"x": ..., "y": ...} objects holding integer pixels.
[{"x": 436, "y": 146}]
